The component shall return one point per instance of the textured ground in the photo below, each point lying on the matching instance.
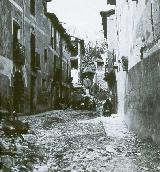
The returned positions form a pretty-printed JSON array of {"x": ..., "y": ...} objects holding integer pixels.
[{"x": 83, "y": 141}]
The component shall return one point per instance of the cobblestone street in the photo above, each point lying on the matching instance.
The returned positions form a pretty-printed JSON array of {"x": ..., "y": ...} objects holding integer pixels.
[{"x": 82, "y": 141}]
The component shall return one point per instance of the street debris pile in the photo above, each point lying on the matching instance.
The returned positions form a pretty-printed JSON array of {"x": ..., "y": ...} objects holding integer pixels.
[{"x": 73, "y": 141}]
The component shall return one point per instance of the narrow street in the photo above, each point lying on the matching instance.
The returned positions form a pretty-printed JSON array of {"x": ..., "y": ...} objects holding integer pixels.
[
  {"x": 83, "y": 141},
  {"x": 75, "y": 77}
]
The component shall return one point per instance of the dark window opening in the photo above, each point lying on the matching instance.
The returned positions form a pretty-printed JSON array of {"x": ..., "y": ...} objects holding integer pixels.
[
  {"x": 74, "y": 64},
  {"x": 32, "y": 7},
  {"x": 52, "y": 36},
  {"x": 55, "y": 39},
  {"x": 43, "y": 84},
  {"x": 104, "y": 23},
  {"x": 57, "y": 70},
  {"x": 33, "y": 43},
  {"x": 55, "y": 61},
  {"x": 67, "y": 69},
  {"x": 45, "y": 55},
  {"x": 16, "y": 29},
  {"x": 18, "y": 49},
  {"x": 99, "y": 65},
  {"x": 141, "y": 52},
  {"x": 111, "y": 2},
  {"x": 37, "y": 65},
  {"x": 125, "y": 63}
]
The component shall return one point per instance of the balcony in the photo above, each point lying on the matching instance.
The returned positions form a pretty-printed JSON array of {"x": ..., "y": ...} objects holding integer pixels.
[{"x": 18, "y": 53}]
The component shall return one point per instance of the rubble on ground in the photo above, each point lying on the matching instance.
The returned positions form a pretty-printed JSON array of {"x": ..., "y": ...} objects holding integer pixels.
[{"x": 75, "y": 141}]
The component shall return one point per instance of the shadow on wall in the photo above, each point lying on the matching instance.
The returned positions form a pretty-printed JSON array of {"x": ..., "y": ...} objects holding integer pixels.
[{"x": 142, "y": 100}]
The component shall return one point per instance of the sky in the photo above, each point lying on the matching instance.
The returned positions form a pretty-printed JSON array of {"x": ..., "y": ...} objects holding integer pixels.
[{"x": 81, "y": 18}]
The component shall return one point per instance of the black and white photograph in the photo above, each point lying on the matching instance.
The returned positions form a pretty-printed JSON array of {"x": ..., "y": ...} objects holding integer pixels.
[{"x": 79, "y": 85}]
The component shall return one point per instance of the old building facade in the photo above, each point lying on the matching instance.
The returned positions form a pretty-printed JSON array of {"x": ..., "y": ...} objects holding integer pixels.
[
  {"x": 76, "y": 60},
  {"x": 34, "y": 57},
  {"x": 109, "y": 27},
  {"x": 138, "y": 58}
]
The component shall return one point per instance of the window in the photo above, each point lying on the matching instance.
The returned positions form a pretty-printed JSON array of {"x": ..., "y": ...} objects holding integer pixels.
[
  {"x": 125, "y": 63},
  {"x": 52, "y": 36},
  {"x": 67, "y": 69},
  {"x": 18, "y": 48},
  {"x": 74, "y": 64},
  {"x": 43, "y": 84},
  {"x": 32, "y": 48},
  {"x": 45, "y": 55},
  {"x": 64, "y": 66},
  {"x": 16, "y": 31},
  {"x": 55, "y": 39},
  {"x": 99, "y": 66},
  {"x": 37, "y": 61},
  {"x": 111, "y": 2},
  {"x": 55, "y": 62},
  {"x": 32, "y": 7},
  {"x": 141, "y": 52}
]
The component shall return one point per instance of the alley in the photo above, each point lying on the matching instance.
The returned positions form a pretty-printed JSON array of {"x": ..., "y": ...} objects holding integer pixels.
[
  {"x": 75, "y": 77},
  {"x": 83, "y": 141}
]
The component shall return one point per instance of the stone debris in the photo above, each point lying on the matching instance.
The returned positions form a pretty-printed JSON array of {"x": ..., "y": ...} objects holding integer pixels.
[{"x": 78, "y": 143}]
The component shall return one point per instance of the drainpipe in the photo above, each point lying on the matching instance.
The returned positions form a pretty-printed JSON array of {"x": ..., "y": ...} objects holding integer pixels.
[{"x": 23, "y": 23}]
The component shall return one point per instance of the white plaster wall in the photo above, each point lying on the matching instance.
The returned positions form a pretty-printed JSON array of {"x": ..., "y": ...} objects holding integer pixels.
[
  {"x": 121, "y": 83},
  {"x": 132, "y": 21},
  {"x": 75, "y": 73},
  {"x": 111, "y": 33}
]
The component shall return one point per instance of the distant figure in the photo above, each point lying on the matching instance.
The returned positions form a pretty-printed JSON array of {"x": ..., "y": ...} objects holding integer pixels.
[
  {"x": 107, "y": 108},
  {"x": 15, "y": 117}
]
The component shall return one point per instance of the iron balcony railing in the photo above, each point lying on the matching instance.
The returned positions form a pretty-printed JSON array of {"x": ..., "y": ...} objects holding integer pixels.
[{"x": 18, "y": 53}]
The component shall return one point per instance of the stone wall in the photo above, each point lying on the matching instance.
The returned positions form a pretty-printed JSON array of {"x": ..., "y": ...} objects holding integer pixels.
[
  {"x": 138, "y": 37},
  {"x": 142, "y": 100},
  {"x": 40, "y": 26}
]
